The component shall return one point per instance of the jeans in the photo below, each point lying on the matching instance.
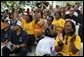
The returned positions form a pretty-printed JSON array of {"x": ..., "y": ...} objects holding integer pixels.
[
  {"x": 22, "y": 51},
  {"x": 5, "y": 51}
]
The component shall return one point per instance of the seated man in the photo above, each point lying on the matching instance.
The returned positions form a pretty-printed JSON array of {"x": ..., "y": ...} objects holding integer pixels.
[
  {"x": 19, "y": 41},
  {"x": 5, "y": 36}
]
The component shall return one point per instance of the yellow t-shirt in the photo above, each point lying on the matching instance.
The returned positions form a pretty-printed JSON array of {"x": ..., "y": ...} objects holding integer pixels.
[
  {"x": 2, "y": 25},
  {"x": 66, "y": 47},
  {"x": 28, "y": 27},
  {"x": 39, "y": 28},
  {"x": 59, "y": 24}
]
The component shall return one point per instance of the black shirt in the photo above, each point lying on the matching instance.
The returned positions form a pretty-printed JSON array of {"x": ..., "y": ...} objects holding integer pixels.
[
  {"x": 73, "y": 17},
  {"x": 80, "y": 18},
  {"x": 6, "y": 35},
  {"x": 78, "y": 11},
  {"x": 19, "y": 39}
]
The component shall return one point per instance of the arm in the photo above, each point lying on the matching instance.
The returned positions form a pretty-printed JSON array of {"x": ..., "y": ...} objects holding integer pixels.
[
  {"x": 73, "y": 48},
  {"x": 22, "y": 45},
  {"x": 75, "y": 44},
  {"x": 58, "y": 43},
  {"x": 18, "y": 46},
  {"x": 59, "y": 46},
  {"x": 4, "y": 43}
]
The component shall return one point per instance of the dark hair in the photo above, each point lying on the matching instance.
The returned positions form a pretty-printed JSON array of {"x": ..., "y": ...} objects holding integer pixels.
[
  {"x": 30, "y": 18},
  {"x": 10, "y": 14},
  {"x": 78, "y": 4},
  {"x": 57, "y": 6},
  {"x": 58, "y": 13},
  {"x": 73, "y": 27},
  {"x": 68, "y": 8},
  {"x": 6, "y": 10},
  {"x": 49, "y": 33},
  {"x": 51, "y": 17},
  {"x": 72, "y": 6},
  {"x": 41, "y": 13},
  {"x": 68, "y": 4}
]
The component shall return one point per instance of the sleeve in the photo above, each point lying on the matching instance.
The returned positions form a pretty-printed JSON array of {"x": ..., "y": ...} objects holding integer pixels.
[
  {"x": 2, "y": 25},
  {"x": 56, "y": 41},
  {"x": 38, "y": 47},
  {"x": 78, "y": 42},
  {"x": 53, "y": 49},
  {"x": 53, "y": 23}
]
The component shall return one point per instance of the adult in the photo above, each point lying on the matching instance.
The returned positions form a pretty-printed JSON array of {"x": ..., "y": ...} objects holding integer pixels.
[{"x": 68, "y": 43}]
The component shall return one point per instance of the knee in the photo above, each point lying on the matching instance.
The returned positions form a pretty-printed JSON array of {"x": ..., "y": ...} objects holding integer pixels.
[
  {"x": 5, "y": 49},
  {"x": 24, "y": 50}
]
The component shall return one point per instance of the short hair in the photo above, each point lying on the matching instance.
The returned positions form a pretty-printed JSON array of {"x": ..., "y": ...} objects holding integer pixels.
[
  {"x": 49, "y": 33},
  {"x": 30, "y": 18},
  {"x": 11, "y": 13},
  {"x": 57, "y": 6},
  {"x": 39, "y": 11},
  {"x": 58, "y": 13},
  {"x": 16, "y": 27},
  {"x": 51, "y": 17}
]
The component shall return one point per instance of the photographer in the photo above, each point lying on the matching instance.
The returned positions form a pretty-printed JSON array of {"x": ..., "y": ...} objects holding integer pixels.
[{"x": 68, "y": 43}]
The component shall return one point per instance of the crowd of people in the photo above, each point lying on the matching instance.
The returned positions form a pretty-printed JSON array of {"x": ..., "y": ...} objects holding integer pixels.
[{"x": 53, "y": 30}]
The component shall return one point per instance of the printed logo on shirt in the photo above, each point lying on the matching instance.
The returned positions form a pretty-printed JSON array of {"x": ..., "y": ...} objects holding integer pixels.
[
  {"x": 20, "y": 39},
  {"x": 6, "y": 35}
]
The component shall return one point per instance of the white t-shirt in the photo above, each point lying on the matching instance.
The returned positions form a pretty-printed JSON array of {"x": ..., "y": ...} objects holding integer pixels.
[{"x": 44, "y": 46}]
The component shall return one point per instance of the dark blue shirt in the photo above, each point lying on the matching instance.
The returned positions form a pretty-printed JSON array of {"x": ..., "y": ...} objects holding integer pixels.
[
  {"x": 19, "y": 39},
  {"x": 6, "y": 35}
]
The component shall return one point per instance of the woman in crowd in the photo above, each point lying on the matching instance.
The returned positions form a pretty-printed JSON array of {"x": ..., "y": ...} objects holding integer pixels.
[
  {"x": 68, "y": 43},
  {"x": 58, "y": 22},
  {"x": 36, "y": 24}
]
